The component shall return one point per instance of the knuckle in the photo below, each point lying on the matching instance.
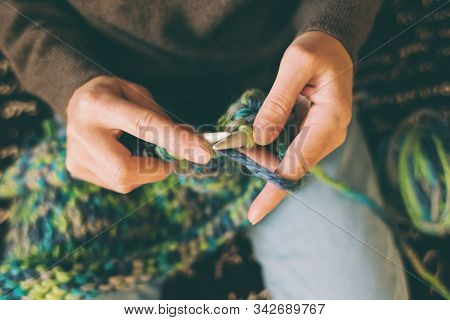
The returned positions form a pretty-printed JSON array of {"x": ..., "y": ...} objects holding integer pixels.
[
  {"x": 70, "y": 165},
  {"x": 332, "y": 120},
  {"x": 123, "y": 189},
  {"x": 335, "y": 120},
  {"x": 344, "y": 116},
  {"x": 92, "y": 102},
  {"x": 347, "y": 113},
  {"x": 90, "y": 97},
  {"x": 82, "y": 106},
  {"x": 75, "y": 133},
  {"x": 342, "y": 137},
  {"x": 296, "y": 165},
  {"x": 144, "y": 121},
  {"x": 70, "y": 131},
  {"x": 94, "y": 96},
  {"x": 304, "y": 169},
  {"x": 306, "y": 163},
  {"x": 301, "y": 53},
  {"x": 278, "y": 104},
  {"x": 346, "y": 119},
  {"x": 87, "y": 97},
  {"x": 120, "y": 174},
  {"x": 139, "y": 88}
]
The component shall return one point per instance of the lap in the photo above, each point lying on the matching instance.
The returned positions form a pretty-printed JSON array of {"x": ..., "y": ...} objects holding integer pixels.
[{"x": 319, "y": 245}]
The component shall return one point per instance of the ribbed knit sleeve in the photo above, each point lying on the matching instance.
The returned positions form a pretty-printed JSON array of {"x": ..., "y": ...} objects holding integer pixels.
[
  {"x": 349, "y": 21},
  {"x": 47, "y": 44}
]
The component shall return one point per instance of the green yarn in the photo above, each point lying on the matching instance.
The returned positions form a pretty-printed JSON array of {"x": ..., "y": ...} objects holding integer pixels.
[
  {"x": 54, "y": 218},
  {"x": 418, "y": 162},
  {"x": 165, "y": 155},
  {"x": 249, "y": 134}
]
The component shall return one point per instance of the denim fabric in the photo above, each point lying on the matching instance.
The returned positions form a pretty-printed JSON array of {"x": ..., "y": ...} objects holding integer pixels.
[{"x": 338, "y": 249}]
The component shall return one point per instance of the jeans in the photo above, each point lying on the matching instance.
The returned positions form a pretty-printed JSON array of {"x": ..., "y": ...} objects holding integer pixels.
[{"x": 319, "y": 245}]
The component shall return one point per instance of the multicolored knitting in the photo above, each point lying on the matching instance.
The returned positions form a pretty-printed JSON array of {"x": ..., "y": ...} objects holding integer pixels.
[
  {"x": 70, "y": 239},
  {"x": 155, "y": 230}
]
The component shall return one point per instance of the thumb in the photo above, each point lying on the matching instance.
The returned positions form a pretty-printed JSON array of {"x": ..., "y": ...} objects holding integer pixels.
[{"x": 293, "y": 75}]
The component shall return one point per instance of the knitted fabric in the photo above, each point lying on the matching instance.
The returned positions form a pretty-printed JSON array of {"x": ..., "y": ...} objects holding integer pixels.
[
  {"x": 69, "y": 239},
  {"x": 52, "y": 215},
  {"x": 155, "y": 230}
]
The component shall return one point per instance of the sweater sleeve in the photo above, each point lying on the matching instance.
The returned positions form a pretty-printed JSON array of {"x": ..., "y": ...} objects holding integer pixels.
[
  {"x": 349, "y": 21},
  {"x": 49, "y": 47}
]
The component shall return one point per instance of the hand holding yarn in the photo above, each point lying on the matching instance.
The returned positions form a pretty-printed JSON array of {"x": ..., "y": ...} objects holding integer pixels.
[
  {"x": 98, "y": 113},
  {"x": 315, "y": 65}
]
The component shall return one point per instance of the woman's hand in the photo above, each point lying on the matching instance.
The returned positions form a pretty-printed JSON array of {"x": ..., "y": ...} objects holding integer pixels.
[
  {"x": 315, "y": 65},
  {"x": 99, "y": 112}
]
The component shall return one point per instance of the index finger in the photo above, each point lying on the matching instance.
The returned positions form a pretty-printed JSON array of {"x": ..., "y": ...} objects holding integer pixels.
[
  {"x": 156, "y": 128},
  {"x": 317, "y": 138}
]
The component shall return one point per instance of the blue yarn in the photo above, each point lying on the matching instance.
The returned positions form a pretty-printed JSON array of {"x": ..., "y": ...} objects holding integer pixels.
[{"x": 260, "y": 171}]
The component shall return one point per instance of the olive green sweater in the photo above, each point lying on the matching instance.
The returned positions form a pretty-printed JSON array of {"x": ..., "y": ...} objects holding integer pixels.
[{"x": 192, "y": 54}]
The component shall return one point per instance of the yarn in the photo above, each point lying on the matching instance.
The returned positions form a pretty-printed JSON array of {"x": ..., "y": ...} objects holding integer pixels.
[
  {"x": 391, "y": 84},
  {"x": 418, "y": 164},
  {"x": 53, "y": 217},
  {"x": 239, "y": 117}
]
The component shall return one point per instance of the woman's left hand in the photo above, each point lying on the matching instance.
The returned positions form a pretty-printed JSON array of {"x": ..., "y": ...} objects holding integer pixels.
[{"x": 317, "y": 66}]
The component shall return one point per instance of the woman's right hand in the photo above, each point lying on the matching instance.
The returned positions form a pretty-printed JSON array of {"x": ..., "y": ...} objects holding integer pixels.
[{"x": 98, "y": 113}]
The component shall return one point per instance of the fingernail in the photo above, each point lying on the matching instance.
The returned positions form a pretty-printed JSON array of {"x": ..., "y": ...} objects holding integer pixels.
[
  {"x": 257, "y": 220},
  {"x": 254, "y": 216}
]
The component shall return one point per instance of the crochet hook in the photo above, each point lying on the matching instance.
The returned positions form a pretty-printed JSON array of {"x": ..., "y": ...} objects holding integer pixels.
[{"x": 225, "y": 140}]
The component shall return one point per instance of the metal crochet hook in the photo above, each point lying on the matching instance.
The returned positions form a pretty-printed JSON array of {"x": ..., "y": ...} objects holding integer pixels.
[{"x": 225, "y": 140}]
